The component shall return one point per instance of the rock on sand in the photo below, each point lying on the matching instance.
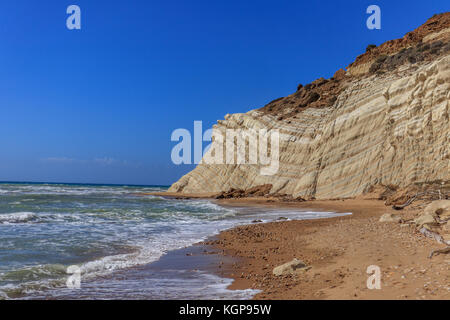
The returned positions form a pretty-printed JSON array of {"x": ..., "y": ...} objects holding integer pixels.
[{"x": 293, "y": 267}]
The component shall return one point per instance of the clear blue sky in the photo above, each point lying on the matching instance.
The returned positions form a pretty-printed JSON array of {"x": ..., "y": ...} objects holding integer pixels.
[{"x": 99, "y": 104}]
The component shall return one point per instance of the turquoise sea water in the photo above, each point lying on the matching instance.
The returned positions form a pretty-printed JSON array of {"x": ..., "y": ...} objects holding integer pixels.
[{"x": 108, "y": 230}]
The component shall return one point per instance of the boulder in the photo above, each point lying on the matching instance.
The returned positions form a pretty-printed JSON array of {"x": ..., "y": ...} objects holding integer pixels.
[
  {"x": 390, "y": 217},
  {"x": 439, "y": 207},
  {"x": 425, "y": 219},
  {"x": 293, "y": 267},
  {"x": 258, "y": 191}
]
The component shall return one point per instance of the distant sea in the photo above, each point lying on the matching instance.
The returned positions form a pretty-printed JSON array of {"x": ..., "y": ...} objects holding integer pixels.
[{"x": 111, "y": 232}]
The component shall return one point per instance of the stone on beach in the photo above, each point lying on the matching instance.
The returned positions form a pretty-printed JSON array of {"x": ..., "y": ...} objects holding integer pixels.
[
  {"x": 439, "y": 207},
  {"x": 435, "y": 211},
  {"x": 390, "y": 217},
  {"x": 293, "y": 267},
  {"x": 425, "y": 219}
]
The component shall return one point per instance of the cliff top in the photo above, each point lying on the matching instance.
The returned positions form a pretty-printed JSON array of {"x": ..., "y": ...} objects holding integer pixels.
[
  {"x": 434, "y": 25},
  {"x": 425, "y": 43}
]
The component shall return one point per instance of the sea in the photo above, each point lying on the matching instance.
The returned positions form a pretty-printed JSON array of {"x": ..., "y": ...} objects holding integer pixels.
[{"x": 117, "y": 238}]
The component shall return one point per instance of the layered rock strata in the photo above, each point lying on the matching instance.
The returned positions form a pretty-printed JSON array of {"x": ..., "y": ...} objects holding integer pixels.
[{"x": 383, "y": 121}]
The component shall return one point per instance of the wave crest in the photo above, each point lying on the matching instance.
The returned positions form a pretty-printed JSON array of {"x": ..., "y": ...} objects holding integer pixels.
[{"x": 17, "y": 217}]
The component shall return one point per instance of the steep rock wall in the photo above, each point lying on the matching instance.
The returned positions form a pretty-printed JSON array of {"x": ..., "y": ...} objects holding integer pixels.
[{"x": 389, "y": 129}]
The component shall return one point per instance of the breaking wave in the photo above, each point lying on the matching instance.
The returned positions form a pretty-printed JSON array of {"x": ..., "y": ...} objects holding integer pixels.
[{"x": 17, "y": 217}]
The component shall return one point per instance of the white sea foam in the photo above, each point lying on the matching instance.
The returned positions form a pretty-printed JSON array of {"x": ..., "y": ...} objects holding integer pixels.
[
  {"x": 186, "y": 233},
  {"x": 220, "y": 286},
  {"x": 73, "y": 190},
  {"x": 3, "y": 296},
  {"x": 17, "y": 217}
]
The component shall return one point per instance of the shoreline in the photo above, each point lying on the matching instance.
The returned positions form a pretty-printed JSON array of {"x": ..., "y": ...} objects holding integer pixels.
[{"x": 338, "y": 249}]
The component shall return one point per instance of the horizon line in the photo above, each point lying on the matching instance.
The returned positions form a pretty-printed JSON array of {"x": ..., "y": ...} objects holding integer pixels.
[{"x": 84, "y": 183}]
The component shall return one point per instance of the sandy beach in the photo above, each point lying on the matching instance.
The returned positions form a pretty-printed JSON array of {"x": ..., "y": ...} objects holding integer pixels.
[{"x": 338, "y": 250}]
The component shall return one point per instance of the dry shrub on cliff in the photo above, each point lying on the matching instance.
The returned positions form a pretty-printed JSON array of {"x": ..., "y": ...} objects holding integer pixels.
[
  {"x": 414, "y": 54},
  {"x": 370, "y": 47}
]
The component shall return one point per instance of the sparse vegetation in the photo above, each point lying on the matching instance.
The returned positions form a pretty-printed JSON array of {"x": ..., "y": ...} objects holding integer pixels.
[
  {"x": 370, "y": 47},
  {"x": 423, "y": 51}
]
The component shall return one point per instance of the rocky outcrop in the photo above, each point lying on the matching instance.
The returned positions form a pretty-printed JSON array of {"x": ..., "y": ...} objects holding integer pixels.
[
  {"x": 339, "y": 137},
  {"x": 258, "y": 191}
]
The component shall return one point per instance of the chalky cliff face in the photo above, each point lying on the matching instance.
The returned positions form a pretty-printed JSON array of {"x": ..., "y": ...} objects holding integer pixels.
[{"x": 383, "y": 121}]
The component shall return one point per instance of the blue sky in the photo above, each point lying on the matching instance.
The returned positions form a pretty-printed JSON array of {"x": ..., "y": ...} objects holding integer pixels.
[{"x": 98, "y": 105}]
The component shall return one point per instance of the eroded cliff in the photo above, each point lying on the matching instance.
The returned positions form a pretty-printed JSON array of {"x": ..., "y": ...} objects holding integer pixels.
[{"x": 383, "y": 121}]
